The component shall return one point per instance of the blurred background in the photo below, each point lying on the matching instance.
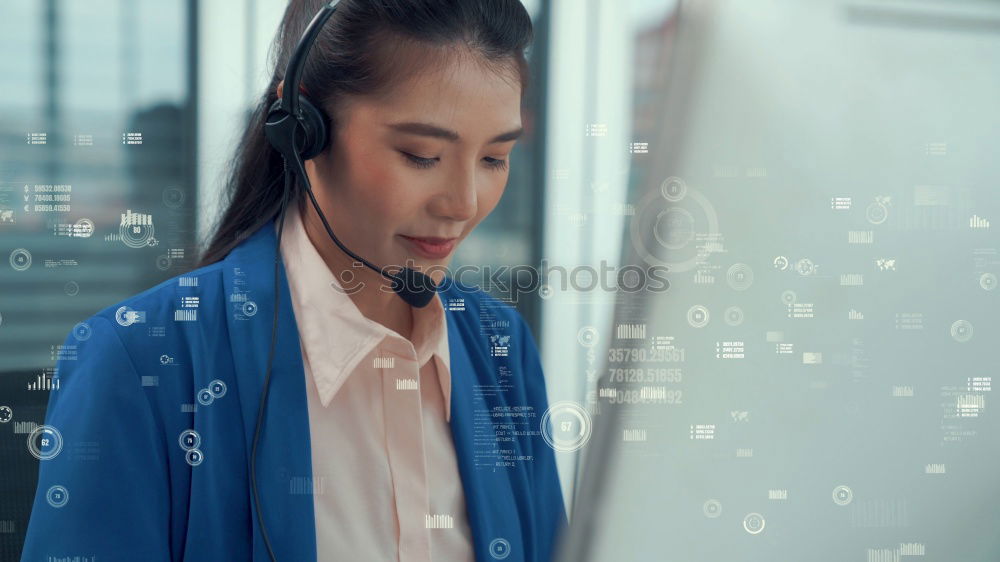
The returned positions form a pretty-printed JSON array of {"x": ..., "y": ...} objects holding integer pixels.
[{"x": 817, "y": 177}]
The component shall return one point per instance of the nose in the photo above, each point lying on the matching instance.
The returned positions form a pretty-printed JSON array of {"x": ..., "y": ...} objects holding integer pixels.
[{"x": 458, "y": 199}]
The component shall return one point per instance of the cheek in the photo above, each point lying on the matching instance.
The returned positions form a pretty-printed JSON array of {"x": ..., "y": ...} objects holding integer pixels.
[
  {"x": 373, "y": 186},
  {"x": 489, "y": 197}
]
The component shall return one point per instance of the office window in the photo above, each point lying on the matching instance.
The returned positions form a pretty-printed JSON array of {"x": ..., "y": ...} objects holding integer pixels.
[
  {"x": 96, "y": 188},
  {"x": 95, "y": 125}
]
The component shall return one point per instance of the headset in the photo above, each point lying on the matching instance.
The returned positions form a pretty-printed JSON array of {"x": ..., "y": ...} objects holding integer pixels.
[{"x": 298, "y": 129}]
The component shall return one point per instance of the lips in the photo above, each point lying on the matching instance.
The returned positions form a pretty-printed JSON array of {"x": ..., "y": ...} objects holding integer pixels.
[{"x": 431, "y": 247}]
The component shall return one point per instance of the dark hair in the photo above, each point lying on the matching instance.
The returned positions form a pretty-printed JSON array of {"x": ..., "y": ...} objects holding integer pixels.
[{"x": 365, "y": 48}]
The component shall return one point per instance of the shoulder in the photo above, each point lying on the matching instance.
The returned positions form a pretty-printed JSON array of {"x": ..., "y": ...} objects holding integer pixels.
[
  {"x": 143, "y": 342},
  {"x": 151, "y": 316},
  {"x": 166, "y": 296}
]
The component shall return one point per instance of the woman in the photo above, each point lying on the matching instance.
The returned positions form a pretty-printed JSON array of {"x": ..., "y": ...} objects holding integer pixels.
[{"x": 387, "y": 431}]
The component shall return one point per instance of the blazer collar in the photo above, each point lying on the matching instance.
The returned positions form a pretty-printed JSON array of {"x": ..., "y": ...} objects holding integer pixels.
[{"x": 335, "y": 335}]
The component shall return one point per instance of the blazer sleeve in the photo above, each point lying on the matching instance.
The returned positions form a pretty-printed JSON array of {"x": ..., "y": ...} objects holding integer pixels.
[
  {"x": 549, "y": 510},
  {"x": 106, "y": 493}
]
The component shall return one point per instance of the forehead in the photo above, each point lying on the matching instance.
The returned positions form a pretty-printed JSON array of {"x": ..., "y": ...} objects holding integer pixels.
[{"x": 456, "y": 91}]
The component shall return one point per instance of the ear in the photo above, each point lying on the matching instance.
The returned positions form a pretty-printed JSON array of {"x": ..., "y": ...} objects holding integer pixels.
[{"x": 281, "y": 86}]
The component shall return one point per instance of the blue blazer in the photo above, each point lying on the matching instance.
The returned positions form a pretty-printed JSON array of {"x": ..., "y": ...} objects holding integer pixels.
[{"x": 124, "y": 484}]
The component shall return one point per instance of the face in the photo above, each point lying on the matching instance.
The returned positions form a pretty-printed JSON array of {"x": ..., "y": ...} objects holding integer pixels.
[{"x": 408, "y": 176}]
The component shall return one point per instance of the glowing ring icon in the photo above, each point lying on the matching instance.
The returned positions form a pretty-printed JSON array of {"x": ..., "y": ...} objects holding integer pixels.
[
  {"x": 189, "y": 439},
  {"x": 137, "y": 235},
  {"x": 712, "y": 508},
  {"x": 697, "y": 316},
  {"x": 217, "y": 388},
  {"x": 20, "y": 259},
  {"x": 842, "y": 495},
  {"x": 57, "y": 496},
  {"x": 988, "y": 281},
  {"x": 673, "y": 189},
  {"x": 83, "y": 228},
  {"x": 499, "y": 548},
  {"x": 587, "y": 336},
  {"x": 163, "y": 262},
  {"x": 739, "y": 276},
  {"x": 173, "y": 197},
  {"x": 753, "y": 523},
  {"x": 876, "y": 213},
  {"x": 734, "y": 316},
  {"x": 961, "y": 330},
  {"x": 573, "y": 442},
  {"x": 82, "y": 331},
  {"x": 639, "y": 229},
  {"x": 249, "y": 308},
  {"x": 194, "y": 457},
  {"x": 205, "y": 397},
  {"x": 125, "y": 316},
  {"x": 51, "y": 451}
]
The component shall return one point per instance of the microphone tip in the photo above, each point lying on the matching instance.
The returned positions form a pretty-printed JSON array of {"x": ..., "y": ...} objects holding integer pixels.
[{"x": 414, "y": 287}]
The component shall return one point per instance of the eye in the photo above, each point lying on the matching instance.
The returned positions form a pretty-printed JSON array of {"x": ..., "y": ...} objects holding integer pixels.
[
  {"x": 423, "y": 163},
  {"x": 419, "y": 161},
  {"x": 496, "y": 163}
]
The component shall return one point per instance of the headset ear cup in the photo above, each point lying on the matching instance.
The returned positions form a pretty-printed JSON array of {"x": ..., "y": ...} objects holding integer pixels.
[
  {"x": 314, "y": 121},
  {"x": 279, "y": 129}
]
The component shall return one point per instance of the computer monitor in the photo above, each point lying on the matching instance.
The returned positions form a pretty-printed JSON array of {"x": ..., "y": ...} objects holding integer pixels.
[{"x": 816, "y": 383}]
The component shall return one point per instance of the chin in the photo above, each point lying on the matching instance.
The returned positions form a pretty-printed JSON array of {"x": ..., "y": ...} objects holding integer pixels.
[{"x": 424, "y": 263}]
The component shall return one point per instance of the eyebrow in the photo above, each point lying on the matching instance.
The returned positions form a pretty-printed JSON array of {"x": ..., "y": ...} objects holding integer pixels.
[{"x": 428, "y": 130}]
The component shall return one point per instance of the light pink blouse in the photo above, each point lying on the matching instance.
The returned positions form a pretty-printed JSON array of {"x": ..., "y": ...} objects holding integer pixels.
[{"x": 385, "y": 479}]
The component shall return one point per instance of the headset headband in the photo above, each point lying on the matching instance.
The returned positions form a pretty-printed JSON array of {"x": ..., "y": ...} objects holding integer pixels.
[{"x": 290, "y": 93}]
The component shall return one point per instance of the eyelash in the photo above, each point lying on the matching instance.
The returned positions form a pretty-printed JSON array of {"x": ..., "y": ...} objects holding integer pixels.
[{"x": 423, "y": 163}]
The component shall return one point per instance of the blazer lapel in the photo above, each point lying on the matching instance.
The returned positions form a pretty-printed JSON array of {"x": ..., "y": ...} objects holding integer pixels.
[
  {"x": 284, "y": 455},
  {"x": 489, "y": 498}
]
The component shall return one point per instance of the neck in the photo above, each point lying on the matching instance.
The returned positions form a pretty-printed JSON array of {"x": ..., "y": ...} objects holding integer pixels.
[{"x": 376, "y": 300}]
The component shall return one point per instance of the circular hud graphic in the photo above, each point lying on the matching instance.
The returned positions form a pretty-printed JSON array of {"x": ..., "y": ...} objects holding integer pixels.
[
  {"x": 712, "y": 508},
  {"x": 753, "y": 523},
  {"x": 733, "y": 316},
  {"x": 20, "y": 259},
  {"x": 739, "y": 276},
  {"x": 566, "y": 426},
  {"x": 842, "y": 495},
  {"x": 173, "y": 197},
  {"x": 961, "y": 330},
  {"x": 45, "y": 442},
  {"x": 697, "y": 316},
  {"x": 988, "y": 281},
  {"x": 673, "y": 226}
]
